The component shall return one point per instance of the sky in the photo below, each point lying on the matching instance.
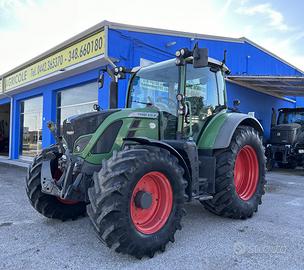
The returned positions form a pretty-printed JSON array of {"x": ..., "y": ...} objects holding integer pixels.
[{"x": 30, "y": 27}]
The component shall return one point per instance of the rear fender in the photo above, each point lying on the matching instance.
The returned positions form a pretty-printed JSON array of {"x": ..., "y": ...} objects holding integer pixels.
[
  {"x": 219, "y": 132},
  {"x": 233, "y": 121}
]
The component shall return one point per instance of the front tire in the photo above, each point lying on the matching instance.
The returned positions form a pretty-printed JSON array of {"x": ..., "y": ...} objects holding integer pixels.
[
  {"x": 48, "y": 205},
  {"x": 270, "y": 165},
  {"x": 240, "y": 176},
  {"x": 137, "y": 200}
]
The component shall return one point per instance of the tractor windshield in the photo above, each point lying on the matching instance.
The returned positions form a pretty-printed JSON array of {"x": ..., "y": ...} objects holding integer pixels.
[
  {"x": 289, "y": 117},
  {"x": 156, "y": 85}
]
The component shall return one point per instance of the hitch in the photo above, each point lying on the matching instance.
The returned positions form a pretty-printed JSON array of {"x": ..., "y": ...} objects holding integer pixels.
[{"x": 68, "y": 185}]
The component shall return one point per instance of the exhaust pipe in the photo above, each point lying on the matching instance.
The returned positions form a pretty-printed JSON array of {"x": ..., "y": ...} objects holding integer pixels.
[{"x": 113, "y": 94}]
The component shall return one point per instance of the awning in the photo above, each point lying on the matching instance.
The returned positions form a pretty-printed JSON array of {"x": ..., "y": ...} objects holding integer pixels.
[{"x": 278, "y": 86}]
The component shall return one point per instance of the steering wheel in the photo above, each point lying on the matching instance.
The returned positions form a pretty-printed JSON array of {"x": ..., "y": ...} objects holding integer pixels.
[{"x": 168, "y": 107}]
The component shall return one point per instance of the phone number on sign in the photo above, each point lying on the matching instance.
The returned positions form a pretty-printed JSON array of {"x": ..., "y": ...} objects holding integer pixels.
[
  {"x": 87, "y": 48},
  {"x": 74, "y": 55}
]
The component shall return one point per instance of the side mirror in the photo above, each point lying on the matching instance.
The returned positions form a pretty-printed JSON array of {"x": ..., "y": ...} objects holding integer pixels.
[
  {"x": 101, "y": 79},
  {"x": 236, "y": 102},
  {"x": 113, "y": 94},
  {"x": 96, "y": 107},
  {"x": 51, "y": 126},
  {"x": 200, "y": 57}
]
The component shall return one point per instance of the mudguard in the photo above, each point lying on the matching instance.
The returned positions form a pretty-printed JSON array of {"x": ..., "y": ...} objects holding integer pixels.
[
  {"x": 219, "y": 132},
  {"x": 172, "y": 150},
  {"x": 227, "y": 130}
]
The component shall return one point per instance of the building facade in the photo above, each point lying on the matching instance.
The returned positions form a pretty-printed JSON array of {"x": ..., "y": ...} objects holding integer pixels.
[{"x": 64, "y": 80}]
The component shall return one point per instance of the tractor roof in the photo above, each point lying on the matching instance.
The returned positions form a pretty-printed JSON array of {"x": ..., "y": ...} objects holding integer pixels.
[{"x": 211, "y": 61}]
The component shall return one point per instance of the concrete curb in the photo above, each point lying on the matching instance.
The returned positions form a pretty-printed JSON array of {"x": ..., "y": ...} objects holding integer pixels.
[{"x": 14, "y": 163}]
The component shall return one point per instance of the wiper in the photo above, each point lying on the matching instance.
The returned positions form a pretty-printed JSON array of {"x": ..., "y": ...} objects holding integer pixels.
[{"x": 142, "y": 102}]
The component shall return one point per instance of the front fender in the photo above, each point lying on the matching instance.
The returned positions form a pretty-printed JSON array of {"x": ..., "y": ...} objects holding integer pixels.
[
  {"x": 158, "y": 143},
  {"x": 219, "y": 131}
]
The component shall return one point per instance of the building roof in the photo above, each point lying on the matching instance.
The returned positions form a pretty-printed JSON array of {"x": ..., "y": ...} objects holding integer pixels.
[
  {"x": 278, "y": 86},
  {"x": 114, "y": 25},
  {"x": 299, "y": 109}
]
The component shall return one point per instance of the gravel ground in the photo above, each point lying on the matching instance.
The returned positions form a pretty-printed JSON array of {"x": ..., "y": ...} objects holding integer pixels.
[{"x": 272, "y": 239}]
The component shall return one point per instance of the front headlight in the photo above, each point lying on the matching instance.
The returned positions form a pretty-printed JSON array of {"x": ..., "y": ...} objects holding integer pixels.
[{"x": 81, "y": 143}]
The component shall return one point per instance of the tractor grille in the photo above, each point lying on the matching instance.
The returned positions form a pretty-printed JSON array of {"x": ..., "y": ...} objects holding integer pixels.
[
  {"x": 283, "y": 136},
  {"x": 278, "y": 156},
  {"x": 83, "y": 124}
]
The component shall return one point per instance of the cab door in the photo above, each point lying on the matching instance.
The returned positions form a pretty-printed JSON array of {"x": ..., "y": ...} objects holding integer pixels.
[{"x": 202, "y": 96}]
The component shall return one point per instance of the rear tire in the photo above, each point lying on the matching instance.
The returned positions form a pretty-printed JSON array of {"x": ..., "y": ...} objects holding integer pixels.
[
  {"x": 48, "y": 205},
  {"x": 239, "y": 188},
  {"x": 113, "y": 204},
  {"x": 292, "y": 164},
  {"x": 269, "y": 165}
]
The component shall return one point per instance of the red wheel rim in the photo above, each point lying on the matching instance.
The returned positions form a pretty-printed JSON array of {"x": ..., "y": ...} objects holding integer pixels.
[
  {"x": 64, "y": 201},
  {"x": 152, "y": 219},
  {"x": 246, "y": 172},
  {"x": 56, "y": 176}
]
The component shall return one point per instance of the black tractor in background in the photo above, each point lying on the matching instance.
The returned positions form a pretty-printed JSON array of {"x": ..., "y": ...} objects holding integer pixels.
[{"x": 286, "y": 144}]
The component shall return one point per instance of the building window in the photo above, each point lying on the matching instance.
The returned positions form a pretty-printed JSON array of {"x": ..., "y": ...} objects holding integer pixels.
[
  {"x": 31, "y": 127},
  {"x": 4, "y": 128},
  {"x": 74, "y": 101}
]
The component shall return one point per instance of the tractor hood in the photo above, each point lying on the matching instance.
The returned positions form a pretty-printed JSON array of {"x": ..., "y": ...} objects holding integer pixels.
[
  {"x": 84, "y": 124},
  {"x": 291, "y": 126},
  {"x": 286, "y": 133}
]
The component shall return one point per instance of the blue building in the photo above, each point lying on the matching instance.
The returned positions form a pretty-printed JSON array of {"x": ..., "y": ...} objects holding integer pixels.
[{"x": 64, "y": 80}]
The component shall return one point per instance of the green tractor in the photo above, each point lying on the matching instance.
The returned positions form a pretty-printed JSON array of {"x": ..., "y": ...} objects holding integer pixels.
[{"x": 132, "y": 170}]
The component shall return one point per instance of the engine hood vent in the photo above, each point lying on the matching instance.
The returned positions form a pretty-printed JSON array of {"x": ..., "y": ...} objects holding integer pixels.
[{"x": 83, "y": 124}]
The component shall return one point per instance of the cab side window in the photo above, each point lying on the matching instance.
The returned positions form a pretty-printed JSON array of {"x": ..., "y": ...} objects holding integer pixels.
[{"x": 201, "y": 92}]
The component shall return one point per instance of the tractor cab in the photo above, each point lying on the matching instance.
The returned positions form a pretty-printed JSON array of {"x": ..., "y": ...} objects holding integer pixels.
[
  {"x": 191, "y": 94},
  {"x": 289, "y": 116}
]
